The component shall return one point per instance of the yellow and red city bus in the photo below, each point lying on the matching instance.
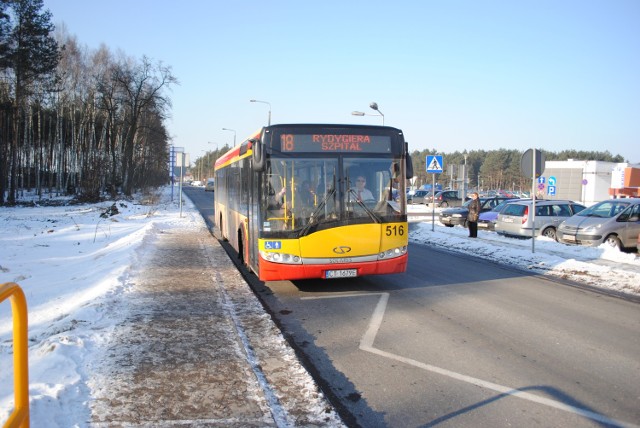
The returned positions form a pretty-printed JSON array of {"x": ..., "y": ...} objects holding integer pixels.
[{"x": 289, "y": 201}]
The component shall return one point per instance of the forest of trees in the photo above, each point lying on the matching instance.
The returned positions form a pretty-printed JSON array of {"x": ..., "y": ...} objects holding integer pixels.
[
  {"x": 73, "y": 121},
  {"x": 92, "y": 124}
]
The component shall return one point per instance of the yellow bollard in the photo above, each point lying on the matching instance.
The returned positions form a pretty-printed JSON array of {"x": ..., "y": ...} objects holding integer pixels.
[{"x": 20, "y": 415}]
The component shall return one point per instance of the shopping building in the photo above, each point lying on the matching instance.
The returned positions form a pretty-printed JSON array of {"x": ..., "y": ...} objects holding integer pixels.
[{"x": 589, "y": 181}]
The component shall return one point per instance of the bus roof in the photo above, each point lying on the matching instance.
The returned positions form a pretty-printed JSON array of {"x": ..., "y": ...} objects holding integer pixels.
[{"x": 235, "y": 151}]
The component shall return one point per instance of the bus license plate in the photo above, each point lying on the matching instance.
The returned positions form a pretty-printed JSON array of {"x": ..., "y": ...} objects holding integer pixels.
[{"x": 341, "y": 273}]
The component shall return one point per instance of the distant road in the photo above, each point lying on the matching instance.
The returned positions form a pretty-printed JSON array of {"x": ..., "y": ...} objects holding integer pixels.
[
  {"x": 203, "y": 201},
  {"x": 461, "y": 342}
]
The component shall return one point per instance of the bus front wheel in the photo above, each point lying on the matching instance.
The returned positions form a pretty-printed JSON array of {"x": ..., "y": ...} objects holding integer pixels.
[{"x": 241, "y": 248}]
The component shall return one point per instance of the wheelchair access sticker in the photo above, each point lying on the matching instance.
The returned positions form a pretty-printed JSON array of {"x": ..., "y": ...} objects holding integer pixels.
[{"x": 272, "y": 245}]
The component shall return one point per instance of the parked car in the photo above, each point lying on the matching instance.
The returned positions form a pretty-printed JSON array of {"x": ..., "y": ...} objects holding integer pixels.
[
  {"x": 418, "y": 197},
  {"x": 487, "y": 219},
  {"x": 210, "y": 185},
  {"x": 395, "y": 195},
  {"x": 515, "y": 219},
  {"x": 614, "y": 222},
  {"x": 638, "y": 244},
  {"x": 452, "y": 216},
  {"x": 447, "y": 198}
]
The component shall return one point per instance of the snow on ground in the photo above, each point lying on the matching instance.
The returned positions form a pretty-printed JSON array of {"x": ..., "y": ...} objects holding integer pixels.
[
  {"x": 600, "y": 267},
  {"x": 70, "y": 261}
]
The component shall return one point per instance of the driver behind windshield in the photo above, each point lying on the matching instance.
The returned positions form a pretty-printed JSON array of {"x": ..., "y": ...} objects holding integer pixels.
[{"x": 361, "y": 192}]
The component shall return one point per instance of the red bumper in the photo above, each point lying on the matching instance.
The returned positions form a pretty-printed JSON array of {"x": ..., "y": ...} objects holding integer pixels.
[{"x": 282, "y": 272}]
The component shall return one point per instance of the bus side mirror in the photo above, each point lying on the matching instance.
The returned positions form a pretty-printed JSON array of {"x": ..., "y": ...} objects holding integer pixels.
[
  {"x": 409, "y": 161},
  {"x": 257, "y": 155}
]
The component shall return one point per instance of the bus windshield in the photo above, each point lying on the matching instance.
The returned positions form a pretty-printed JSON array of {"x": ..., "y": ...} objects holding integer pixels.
[{"x": 304, "y": 194}]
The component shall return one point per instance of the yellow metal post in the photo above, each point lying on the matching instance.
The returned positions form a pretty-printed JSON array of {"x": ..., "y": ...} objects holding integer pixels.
[{"x": 20, "y": 416}]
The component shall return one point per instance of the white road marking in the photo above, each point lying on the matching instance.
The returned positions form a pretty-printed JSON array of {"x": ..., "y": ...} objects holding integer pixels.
[{"x": 366, "y": 344}]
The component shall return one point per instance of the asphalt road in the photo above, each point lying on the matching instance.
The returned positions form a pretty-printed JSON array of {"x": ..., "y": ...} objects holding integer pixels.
[{"x": 460, "y": 342}]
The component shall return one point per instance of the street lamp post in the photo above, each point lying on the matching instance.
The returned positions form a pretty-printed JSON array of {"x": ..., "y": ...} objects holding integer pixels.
[
  {"x": 264, "y": 102},
  {"x": 374, "y": 106},
  {"x": 234, "y": 134},
  {"x": 216, "y": 156},
  {"x": 201, "y": 163},
  {"x": 464, "y": 179}
]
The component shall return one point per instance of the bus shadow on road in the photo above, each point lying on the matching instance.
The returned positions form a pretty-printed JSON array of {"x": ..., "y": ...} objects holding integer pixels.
[
  {"x": 553, "y": 397},
  {"x": 427, "y": 268}
]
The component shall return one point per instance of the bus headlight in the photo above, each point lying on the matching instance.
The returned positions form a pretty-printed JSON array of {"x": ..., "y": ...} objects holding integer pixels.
[
  {"x": 284, "y": 258},
  {"x": 392, "y": 253}
]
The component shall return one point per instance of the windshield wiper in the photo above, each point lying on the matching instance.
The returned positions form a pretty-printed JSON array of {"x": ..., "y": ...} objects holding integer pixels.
[
  {"x": 373, "y": 215},
  {"x": 314, "y": 215}
]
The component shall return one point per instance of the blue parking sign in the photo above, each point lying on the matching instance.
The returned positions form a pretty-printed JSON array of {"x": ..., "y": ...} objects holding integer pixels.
[{"x": 551, "y": 190}]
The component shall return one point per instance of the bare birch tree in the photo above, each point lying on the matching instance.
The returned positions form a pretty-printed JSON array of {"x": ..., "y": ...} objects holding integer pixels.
[{"x": 142, "y": 86}]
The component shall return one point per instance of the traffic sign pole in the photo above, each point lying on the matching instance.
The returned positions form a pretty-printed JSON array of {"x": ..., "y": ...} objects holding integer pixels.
[
  {"x": 530, "y": 159},
  {"x": 533, "y": 203},
  {"x": 434, "y": 166},
  {"x": 433, "y": 203}
]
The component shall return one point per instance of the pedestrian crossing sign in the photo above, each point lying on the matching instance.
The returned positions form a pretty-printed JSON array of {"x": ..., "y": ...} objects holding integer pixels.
[{"x": 434, "y": 164}]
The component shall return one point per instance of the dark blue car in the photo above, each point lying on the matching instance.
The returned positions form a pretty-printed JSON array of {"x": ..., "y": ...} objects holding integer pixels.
[
  {"x": 487, "y": 219},
  {"x": 458, "y": 216}
]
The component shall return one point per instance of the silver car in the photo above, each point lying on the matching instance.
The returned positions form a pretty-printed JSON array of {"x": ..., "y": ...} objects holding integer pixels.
[
  {"x": 515, "y": 218},
  {"x": 614, "y": 222},
  {"x": 210, "y": 186},
  {"x": 419, "y": 197}
]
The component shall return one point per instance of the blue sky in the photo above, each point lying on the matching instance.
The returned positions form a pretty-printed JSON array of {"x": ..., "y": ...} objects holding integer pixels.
[{"x": 453, "y": 75}]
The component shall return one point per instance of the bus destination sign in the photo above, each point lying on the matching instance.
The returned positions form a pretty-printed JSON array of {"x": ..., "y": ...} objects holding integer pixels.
[{"x": 335, "y": 143}]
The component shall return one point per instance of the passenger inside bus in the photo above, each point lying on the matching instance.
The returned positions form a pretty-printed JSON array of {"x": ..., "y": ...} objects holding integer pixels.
[
  {"x": 305, "y": 195},
  {"x": 276, "y": 200},
  {"x": 303, "y": 203},
  {"x": 275, "y": 213}
]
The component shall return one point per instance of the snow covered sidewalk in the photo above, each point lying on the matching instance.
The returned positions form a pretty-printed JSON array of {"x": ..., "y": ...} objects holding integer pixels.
[{"x": 197, "y": 348}]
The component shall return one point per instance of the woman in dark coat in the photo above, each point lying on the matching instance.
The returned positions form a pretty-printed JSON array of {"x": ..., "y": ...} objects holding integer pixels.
[{"x": 472, "y": 218}]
